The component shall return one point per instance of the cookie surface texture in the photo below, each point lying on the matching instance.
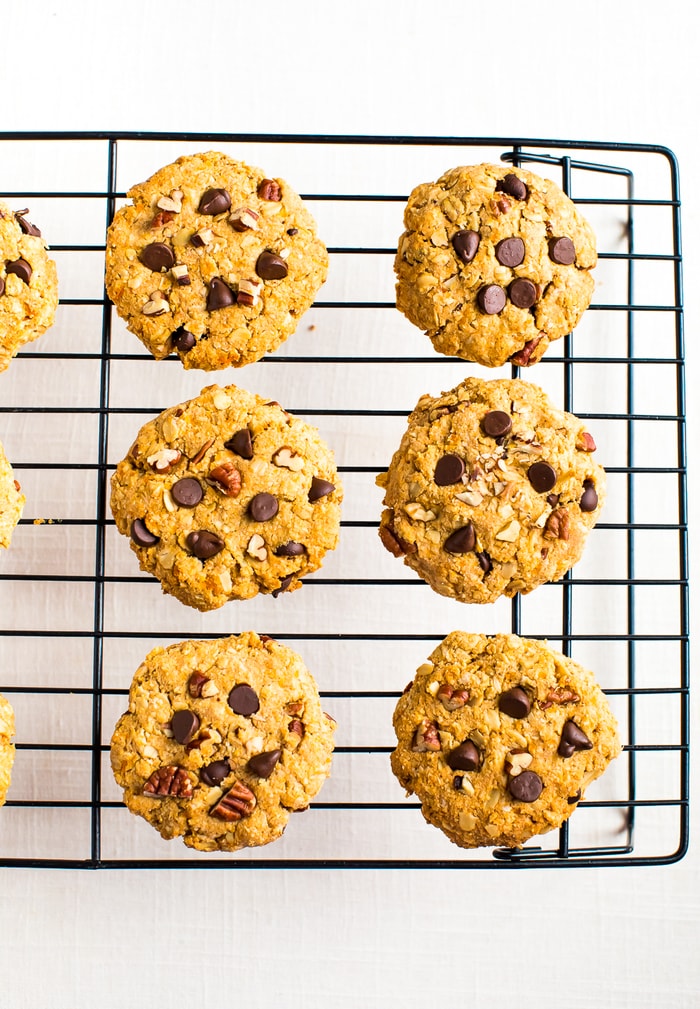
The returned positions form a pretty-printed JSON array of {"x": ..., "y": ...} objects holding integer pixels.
[
  {"x": 222, "y": 741},
  {"x": 492, "y": 491},
  {"x": 7, "y": 750},
  {"x": 494, "y": 264},
  {"x": 227, "y": 495},
  {"x": 28, "y": 284},
  {"x": 213, "y": 261},
  {"x": 11, "y": 500},
  {"x": 499, "y": 737}
]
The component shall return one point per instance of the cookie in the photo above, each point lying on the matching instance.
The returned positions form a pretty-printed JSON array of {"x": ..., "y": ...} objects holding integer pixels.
[
  {"x": 227, "y": 495},
  {"x": 222, "y": 741},
  {"x": 12, "y": 500},
  {"x": 28, "y": 284},
  {"x": 213, "y": 261},
  {"x": 499, "y": 737},
  {"x": 492, "y": 490},
  {"x": 494, "y": 264},
  {"x": 7, "y": 750}
]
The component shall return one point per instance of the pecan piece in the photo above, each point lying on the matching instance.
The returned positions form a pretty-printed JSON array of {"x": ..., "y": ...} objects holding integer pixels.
[
  {"x": 238, "y": 802},
  {"x": 517, "y": 761},
  {"x": 557, "y": 526},
  {"x": 426, "y": 737},
  {"x": 393, "y": 543},
  {"x": 451, "y": 699},
  {"x": 196, "y": 683},
  {"x": 522, "y": 357},
  {"x": 169, "y": 780},
  {"x": 559, "y": 695},
  {"x": 296, "y": 726},
  {"x": 585, "y": 442},
  {"x": 202, "y": 452},
  {"x": 268, "y": 189},
  {"x": 226, "y": 478},
  {"x": 161, "y": 219}
]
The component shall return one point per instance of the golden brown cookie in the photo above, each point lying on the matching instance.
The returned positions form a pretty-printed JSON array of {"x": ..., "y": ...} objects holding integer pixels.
[
  {"x": 28, "y": 284},
  {"x": 213, "y": 261},
  {"x": 227, "y": 495},
  {"x": 499, "y": 737},
  {"x": 7, "y": 750},
  {"x": 222, "y": 741},
  {"x": 494, "y": 264},
  {"x": 12, "y": 500},
  {"x": 492, "y": 490}
]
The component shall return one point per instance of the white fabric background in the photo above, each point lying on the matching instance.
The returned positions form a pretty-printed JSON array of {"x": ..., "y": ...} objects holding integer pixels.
[{"x": 609, "y": 938}]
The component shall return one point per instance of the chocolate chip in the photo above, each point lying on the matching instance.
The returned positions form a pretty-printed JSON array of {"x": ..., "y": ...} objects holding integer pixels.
[
  {"x": 465, "y": 243},
  {"x": 464, "y": 758},
  {"x": 182, "y": 340},
  {"x": 512, "y": 185},
  {"x": 263, "y": 507},
  {"x": 515, "y": 703},
  {"x": 187, "y": 492},
  {"x": 284, "y": 585},
  {"x": 204, "y": 544},
  {"x": 270, "y": 267},
  {"x": 214, "y": 201},
  {"x": 553, "y": 500},
  {"x": 2, "y": 287},
  {"x": 562, "y": 251},
  {"x": 320, "y": 488},
  {"x": 243, "y": 700},
  {"x": 263, "y": 764},
  {"x": 510, "y": 251},
  {"x": 241, "y": 443},
  {"x": 496, "y": 423},
  {"x": 526, "y": 786},
  {"x": 484, "y": 561},
  {"x": 572, "y": 739},
  {"x": 21, "y": 268},
  {"x": 292, "y": 231},
  {"x": 542, "y": 476},
  {"x": 461, "y": 541},
  {"x": 573, "y": 799},
  {"x": 214, "y": 774},
  {"x": 157, "y": 257},
  {"x": 457, "y": 782},
  {"x": 184, "y": 725},
  {"x": 523, "y": 293},
  {"x": 449, "y": 470},
  {"x": 141, "y": 536},
  {"x": 27, "y": 227},
  {"x": 589, "y": 498},
  {"x": 491, "y": 299},
  {"x": 290, "y": 549},
  {"x": 220, "y": 295}
]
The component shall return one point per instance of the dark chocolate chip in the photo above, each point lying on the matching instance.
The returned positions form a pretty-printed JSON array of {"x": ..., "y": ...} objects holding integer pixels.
[
  {"x": 204, "y": 544},
  {"x": 465, "y": 243},
  {"x": 515, "y": 703},
  {"x": 484, "y": 561},
  {"x": 241, "y": 443},
  {"x": 572, "y": 739},
  {"x": 187, "y": 492},
  {"x": 284, "y": 585},
  {"x": 21, "y": 268},
  {"x": 290, "y": 549},
  {"x": 27, "y": 227},
  {"x": 320, "y": 488},
  {"x": 573, "y": 799},
  {"x": 512, "y": 185},
  {"x": 461, "y": 541},
  {"x": 562, "y": 251},
  {"x": 270, "y": 267},
  {"x": 449, "y": 470},
  {"x": 243, "y": 700},
  {"x": 182, "y": 340},
  {"x": 553, "y": 500},
  {"x": 523, "y": 293},
  {"x": 214, "y": 201},
  {"x": 220, "y": 295},
  {"x": 542, "y": 476},
  {"x": 464, "y": 758},
  {"x": 141, "y": 535},
  {"x": 510, "y": 251},
  {"x": 526, "y": 786},
  {"x": 263, "y": 764},
  {"x": 491, "y": 299},
  {"x": 589, "y": 498},
  {"x": 184, "y": 725},
  {"x": 263, "y": 507},
  {"x": 457, "y": 782},
  {"x": 2, "y": 287},
  {"x": 214, "y": 774},
  {"x": 157, "y": 257},
  {"x": 496, "y": 423},
  {"x": 292, "y": 231}
]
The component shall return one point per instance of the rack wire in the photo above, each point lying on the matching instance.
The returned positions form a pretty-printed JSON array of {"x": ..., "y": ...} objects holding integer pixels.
[{"x": 77, "y": 618}]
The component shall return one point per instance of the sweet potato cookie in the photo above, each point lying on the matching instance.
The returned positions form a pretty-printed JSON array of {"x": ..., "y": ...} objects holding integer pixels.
[
  {"x": 214, "y": 261},
  {"x": 227, "y": 495},
  {"x": 11, "y": 500},
  {"x": 500, "y": 737},
  {"x": 492, "y": 490},
  {"x": 7, "y": 750},
  {"x": 494, "y": 264},
  {"x": 222, "y": 741}
]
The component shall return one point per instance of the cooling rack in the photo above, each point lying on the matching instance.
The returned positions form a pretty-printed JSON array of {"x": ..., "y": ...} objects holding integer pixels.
[{"x": 77, "y": 618}]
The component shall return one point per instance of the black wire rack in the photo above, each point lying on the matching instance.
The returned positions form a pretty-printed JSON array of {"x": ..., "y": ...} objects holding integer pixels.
[{"x": 78, "y": 618}]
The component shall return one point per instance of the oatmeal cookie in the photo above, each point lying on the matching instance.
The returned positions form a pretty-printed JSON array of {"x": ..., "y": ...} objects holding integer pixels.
[
  {"x": 12, "y": 500},
  {"x": 7, "y": 750}
]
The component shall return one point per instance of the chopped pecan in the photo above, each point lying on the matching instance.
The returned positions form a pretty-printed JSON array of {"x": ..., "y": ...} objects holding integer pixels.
[
  {"x": 238, "y": 802},
  {"x": 426, "y": 737},
  {"x": 196, "y": 683},
  {"x": 293, "y": 707},
  {"x": 194, "y": 744},
  {"x": 162, "y": 218},
  {"x": 559, "y": 695},
  {"x": 226, "y": 478},
  {"x": 202, "y": 452},
  {"x": 558, "y": 525},
  {"x": 585, "y": 442},
  {"x": 452, "y": 699},
  {"x": 268, "y": 189},
  {"x": 393, "y": 543},
  {"x": 296, "y": 726},
  {"x": 164, "y": 459},
  {"x": 522, "y": 357},
  {"x": 516, "y": 761},
  {"x": 169, "y": 780}
]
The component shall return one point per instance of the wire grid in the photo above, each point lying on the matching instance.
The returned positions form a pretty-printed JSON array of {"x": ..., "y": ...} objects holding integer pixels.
[{"x": 62, "y": 809}]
